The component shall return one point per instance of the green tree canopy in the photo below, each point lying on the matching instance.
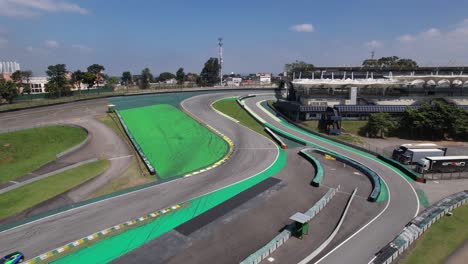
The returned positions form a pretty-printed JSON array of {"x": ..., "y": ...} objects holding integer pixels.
[
  {"x": 57, "y": 84},
  {"x": 77, "y": 78},
  {"x": 180, "y": 76},
  {"x": 97, "y": 70},
  {"x": 209, "y": 75},
  {"x": 8, "y": 90},
  {"x": 17, "y": 76},
  {"x": 165, "y": 76},
  {"x": 392, "y": 62},
  {"x": 127, "y": 77},
  {"x": 145, "y": 79},
  {"x": 380, "y": 124},
  {"x": 299, "y": 67},
  {"x": 89, "y": 78}
]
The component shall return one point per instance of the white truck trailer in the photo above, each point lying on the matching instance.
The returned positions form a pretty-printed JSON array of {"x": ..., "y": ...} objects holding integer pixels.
[
  {"x": 410, "y": 156},
  {"x": 443, "y": 164}
]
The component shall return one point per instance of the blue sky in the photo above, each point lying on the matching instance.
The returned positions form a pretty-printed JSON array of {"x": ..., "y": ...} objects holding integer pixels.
[{"x": 260, "y": 36}]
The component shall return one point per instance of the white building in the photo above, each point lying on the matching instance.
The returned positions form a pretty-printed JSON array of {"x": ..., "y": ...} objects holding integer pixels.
[
  {"x": 9, "y": 67},
  {"x": 264, "y": 78},
  {"x": 37, "y": 84},
  {"x": 233, "y": 81}
]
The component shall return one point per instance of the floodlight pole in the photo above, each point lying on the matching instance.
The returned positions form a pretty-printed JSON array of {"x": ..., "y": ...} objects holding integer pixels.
[{"x": 220, "y": 45}]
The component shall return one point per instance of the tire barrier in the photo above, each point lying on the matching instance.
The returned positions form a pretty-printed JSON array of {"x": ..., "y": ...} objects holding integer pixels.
[
  {"x": 333, "y": 234},
  {"x": 372, "y": 175},
  {"x": 318, "y": 167},
  {"x": 278, "y": 139},
  {"x": 45, "y": 258},
  {"x": 416, "y": 227},
  {"x": 280, "y": 239},
  {"x": 136, "y": 146},
  {"x": 413, "y": 175}
]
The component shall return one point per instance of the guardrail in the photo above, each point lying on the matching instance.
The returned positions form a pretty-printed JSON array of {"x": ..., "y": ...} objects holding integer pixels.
[
  {"x": 278, "y": 139},
  {"x": 280, "y": 239},
  {"x": 416, "y": 227},
  {"x": 135, "y": 145},
  {"x": 372, "y": 175},
  {"x": 318, "y": 167}
]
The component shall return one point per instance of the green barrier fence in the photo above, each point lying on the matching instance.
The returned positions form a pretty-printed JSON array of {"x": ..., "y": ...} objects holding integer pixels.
[
  {"x": 109, "y": 249},
  {"x": 318, "y": 168}
]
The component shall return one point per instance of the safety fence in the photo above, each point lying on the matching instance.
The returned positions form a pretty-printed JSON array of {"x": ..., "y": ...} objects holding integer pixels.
[
  {"x": 416, "y": 227},
  {"x": 135, "y": 145},
  {"x": 282, "y": 237},
  {"x": 407, "y": 171},
  {"x": 318, "y": 167}
]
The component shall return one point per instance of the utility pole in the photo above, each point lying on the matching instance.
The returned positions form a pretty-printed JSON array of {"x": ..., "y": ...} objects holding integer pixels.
[{"x": 220, "y": 45}]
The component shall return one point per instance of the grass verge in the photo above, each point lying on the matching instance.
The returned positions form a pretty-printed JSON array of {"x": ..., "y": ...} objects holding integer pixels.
[
  {"x": 24, "y": 151},
  {"x": 230, "y": 107},
  {"x": 439, "y": 241},
  {"x": 350, "y": 130},
  {"x": 27, "y": 196}
]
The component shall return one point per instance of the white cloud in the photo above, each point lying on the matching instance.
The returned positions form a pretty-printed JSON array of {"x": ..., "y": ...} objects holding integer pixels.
[
  {"x": 406, "y": 38},
  {"x": 303, "y": 28},
  {"x": 82, "y": 48},
  {"x": 29, "y": 49},
  {"x": 3, "y": 42},
  {"x": 430, "y": 33},
  {"x": 373, "y": 44},
  {"x": 51, "y": 44},
  {"x": 29, "y": 8}
]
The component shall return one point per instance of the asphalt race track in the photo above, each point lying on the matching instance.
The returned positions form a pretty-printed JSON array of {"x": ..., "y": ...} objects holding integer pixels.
[
  {"x": 253, "y": 153},
  {"x": 401, "y": 207}
]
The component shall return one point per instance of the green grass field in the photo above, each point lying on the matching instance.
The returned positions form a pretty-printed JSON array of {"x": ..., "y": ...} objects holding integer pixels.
[
  {"x": 21, "y": 152},
  {"x": 348, "y": 126},
  {"x": 439, "y": 241},
  {"x": 230, "y": 107},
  {"x": 27, "y": 196},
  {"x": 174, "y": 143}
]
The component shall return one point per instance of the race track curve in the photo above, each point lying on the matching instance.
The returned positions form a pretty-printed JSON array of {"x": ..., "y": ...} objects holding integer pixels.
[{"x": 402, "y": 205}]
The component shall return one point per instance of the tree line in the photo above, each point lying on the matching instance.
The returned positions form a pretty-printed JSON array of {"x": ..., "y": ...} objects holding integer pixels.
[{"x": 436, "y": 121}]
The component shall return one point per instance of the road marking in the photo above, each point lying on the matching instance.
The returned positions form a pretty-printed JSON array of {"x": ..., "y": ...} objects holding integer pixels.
[
  {"x": 15, "y": 182},
  {"x": 121, "y": 157}
]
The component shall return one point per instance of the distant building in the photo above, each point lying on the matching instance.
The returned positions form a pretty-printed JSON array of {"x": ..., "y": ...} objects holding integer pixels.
[
  {"x": 264, "y": 78},
  {"x": 37, "y": 84},
  {"x": 9, "y": 67},
  {"x": 233, "y": 81}
]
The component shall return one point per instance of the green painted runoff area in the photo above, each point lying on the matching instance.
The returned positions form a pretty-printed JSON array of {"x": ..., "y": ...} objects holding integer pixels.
[
  {"x": 109, "y": 249},
  {"x": 24, "y": 151},
  {"x": 27, "y": 196},
  {"x": 173, "y": 142}
]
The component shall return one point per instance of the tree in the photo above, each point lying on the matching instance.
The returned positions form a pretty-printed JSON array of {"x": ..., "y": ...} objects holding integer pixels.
[
  {"x": 89, "y": 78},
  {"x": 77, "y": 79},
  {"x": 392, "y": 62},
  {"x": 8, "y": 90},
  {"x": 112, "y": 81},
  {"x": 166, "y": 76},
  {"x": 97, "y": 70},
  {"x": 299, "y": 67},
  {"x": 57, "y": 84},
  {"x": 17, "y": 77},
  {"x": 209, "y": 75},
  {"x": 180, "y": 76},
  {"x": 380, "y": 124},
  {"x": 127, "y": 77},
  {"x": 145, "y": 79}
]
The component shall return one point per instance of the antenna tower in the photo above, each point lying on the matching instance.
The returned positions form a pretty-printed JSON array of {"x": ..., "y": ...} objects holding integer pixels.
[{"x": 220, "y": 45}]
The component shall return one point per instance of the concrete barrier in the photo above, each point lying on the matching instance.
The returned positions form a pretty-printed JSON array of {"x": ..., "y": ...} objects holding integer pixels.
[
  {"x": 416, "y": 227},
  {"x": 278, "y": 139},
  {"x": 280, "y": 239},
  {"x": 318, "y": 167}
]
